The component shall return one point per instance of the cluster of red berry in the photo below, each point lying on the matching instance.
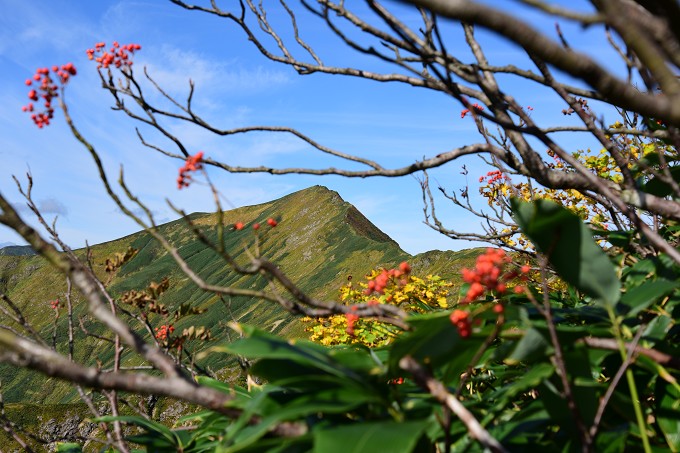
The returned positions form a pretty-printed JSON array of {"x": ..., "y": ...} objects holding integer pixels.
[
  {"x": 55, "y": 304},
  {"x": 47, "y": 90},
  {"x": 118, "y": 56},
  {"x": 461, "y": 319},
  {"x": 163, "y": 331},
  {"x": 488, "y": 275},
  {"x": 193, "y": 163},
  {"x": 379, "y": 283},
  {"x": 476, "y": 107},
  {"x": 492, "y": 176},
  {"x": 256, "y": 226},
  {"x": 352, "y": 318}
]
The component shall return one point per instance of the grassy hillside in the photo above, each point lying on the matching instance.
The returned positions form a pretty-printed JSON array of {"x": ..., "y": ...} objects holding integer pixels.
[{"x": 319, "y": 242}]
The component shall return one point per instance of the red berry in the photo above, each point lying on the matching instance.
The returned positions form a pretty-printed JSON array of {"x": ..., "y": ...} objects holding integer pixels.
[
  {"x": 405, "y": 267},
  {"x": 256, "y": 226},
  {"x": 271, "y": 222},
  {"x": 238, "y": 225}
]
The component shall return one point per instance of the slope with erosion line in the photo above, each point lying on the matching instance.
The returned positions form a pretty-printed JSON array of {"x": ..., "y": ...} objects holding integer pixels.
[{"x": 320, "y": 240}]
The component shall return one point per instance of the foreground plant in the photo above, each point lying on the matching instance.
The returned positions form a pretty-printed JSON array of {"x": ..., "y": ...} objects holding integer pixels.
[{"x": 588, "y": 364}]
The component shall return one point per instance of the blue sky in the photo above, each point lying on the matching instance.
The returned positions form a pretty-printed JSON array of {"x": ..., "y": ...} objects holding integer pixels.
[{"x": 236, "y": 86}]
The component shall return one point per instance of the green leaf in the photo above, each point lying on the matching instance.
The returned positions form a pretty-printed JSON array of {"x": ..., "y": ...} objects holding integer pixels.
[
  {"x": 658, "y": 328},
  {"x": 643, "y": 296},
  {"x": 433, "y": 341},
  {"x": 612, "y": 441},
  {"x": 229, "y": 389},
  {"x": 659, "y": 188},
  {"x": 581, "y": 365},
  {"x": 153, "y": 428},
  {"x": 533, "y": 346},
  {"x": 374, "y": 437},
  {"x": 569, "y": 246},
  {"x": 529, "y": 380},
  {"x": 668, "y": 413},
  {"x": 262, "y": 345},
  {"x": 619, "y": 238},
  {"x": 68, "y": 447},
  {"x": 639, "y": 272}
]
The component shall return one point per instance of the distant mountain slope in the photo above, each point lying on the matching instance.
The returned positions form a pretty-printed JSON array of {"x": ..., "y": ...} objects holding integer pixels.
[
  {"x": 17, "y": 250},
  {"x": 320, "y": 240}
]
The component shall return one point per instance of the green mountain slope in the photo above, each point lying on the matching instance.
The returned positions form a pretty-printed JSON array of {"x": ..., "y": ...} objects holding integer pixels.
[{"x": 319, "y": 242}]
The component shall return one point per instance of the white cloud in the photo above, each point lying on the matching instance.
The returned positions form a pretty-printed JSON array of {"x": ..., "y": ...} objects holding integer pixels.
[
  {"x": 172, "y": 68},
  {"x": 34, "y": 26},
  {"x": 45, "y": 206}
]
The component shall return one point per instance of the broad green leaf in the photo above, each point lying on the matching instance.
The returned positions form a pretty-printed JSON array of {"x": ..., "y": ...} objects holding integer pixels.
[
  {"x": 529, "y": 380},
  {"x": 433, "y": 341},
  {"x": 299, "y": 444},
  {"x": 612, "y": 441},
  {"x": 659, "y": 188},
  {"x": 569, "y": 246},
  {"x": 357, "y": 358},
  {"x": 459, "y": 362},
  {"x": 643, "y": 296},
  {"x": 668, "y": 413},
  {"x": 523, "y": 431},
  {"x": 325, "y": 389},
  {"x": 262, "y": 345},
  {"x": 533, "y": 346},
  {"x": 638, "y": 272},
  {"x": 374, "y": 437},
  {"x": 658, "y": 328},
  {"x": 68, "y": 447},
  {"x": 151, "y": 426},
  {"x": 581, "y": 365},
  {"x": 618, "y": 238},
  {"x": 152, "y": 441}
]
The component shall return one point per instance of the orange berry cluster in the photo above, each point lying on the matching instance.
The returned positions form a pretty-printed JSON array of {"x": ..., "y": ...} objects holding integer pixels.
[
  {"x": 492, "y": 176},
  {"x": 476, "y": 107},
  {"x": 379, "y": 283},
  {"x": 352, "y": 318},
  {"x": 55, "y": 304},
  {"x": 461, "y": 319},
  {"x": 193, "y": 163},
  {"x": 256, "y": 226},
  {"x": 47, "y": 90},
  {"x": 488, "y": 275},
  {"x": 117, "y": 55},
  {"x": 163, "y": 331}
]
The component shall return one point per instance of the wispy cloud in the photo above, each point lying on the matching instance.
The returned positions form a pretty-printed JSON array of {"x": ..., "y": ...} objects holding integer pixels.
[
  {"x": 42, "y": 25},
  {"x": 45, "y": 206},
  {"x": 172, "y": 68}
]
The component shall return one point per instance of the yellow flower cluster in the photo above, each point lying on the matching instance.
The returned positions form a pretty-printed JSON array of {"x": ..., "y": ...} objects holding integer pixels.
[
  {"x": 498, "y": 189},
  {"x": 408, "y": 292}
]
